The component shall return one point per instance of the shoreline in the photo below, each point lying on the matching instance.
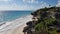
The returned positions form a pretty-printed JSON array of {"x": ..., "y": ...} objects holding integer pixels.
[{"x": 14, "y": 25}]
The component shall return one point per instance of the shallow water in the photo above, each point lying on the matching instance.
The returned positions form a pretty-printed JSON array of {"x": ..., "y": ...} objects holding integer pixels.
[{"x": 12, "y": 15}]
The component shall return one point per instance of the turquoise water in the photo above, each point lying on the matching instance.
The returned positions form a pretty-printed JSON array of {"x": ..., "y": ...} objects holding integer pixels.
[{"x": 12, "y": 15}]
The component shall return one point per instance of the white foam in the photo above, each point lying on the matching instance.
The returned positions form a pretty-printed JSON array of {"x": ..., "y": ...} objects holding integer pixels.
[{"x": 14, "y": 24}]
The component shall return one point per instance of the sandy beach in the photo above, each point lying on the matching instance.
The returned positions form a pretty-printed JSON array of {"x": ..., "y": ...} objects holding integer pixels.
[
  {"x": 17, "y": 30},
  {"x": 16, "y": 26}
]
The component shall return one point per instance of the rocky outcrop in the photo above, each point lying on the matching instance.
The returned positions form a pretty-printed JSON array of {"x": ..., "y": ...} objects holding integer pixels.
[{"x": 39, "y": 16}]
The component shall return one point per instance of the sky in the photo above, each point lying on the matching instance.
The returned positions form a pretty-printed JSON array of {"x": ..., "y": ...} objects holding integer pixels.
[{"x": 27, "y": 4}]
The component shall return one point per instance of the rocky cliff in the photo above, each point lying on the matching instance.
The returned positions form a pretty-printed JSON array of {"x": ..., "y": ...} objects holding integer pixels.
[{"x": 44, "y": 21}]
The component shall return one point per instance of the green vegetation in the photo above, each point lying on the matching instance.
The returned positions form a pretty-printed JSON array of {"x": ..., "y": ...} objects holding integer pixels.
[
  {"x": 42, "y": 26},
  {"x": 44, "y": 21}
]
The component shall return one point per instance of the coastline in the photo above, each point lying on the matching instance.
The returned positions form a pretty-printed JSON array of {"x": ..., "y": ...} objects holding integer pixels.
[{"x": 16, "y": 26}]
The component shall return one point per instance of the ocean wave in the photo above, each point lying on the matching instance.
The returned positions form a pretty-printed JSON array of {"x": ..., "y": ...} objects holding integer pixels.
[{"x": 14, "y": 24}]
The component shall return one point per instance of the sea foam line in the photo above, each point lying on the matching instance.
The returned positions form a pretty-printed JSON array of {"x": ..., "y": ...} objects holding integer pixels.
[{"x": 14, "y": 24}]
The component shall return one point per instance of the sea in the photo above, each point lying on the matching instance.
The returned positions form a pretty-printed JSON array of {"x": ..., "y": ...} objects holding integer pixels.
[
  {"x": 10, "y": 20},
  {"x": 6, "y": 16}
]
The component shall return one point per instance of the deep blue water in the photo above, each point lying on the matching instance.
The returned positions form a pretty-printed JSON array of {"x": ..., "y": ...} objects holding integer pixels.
[{"x": 12, "y": 15}]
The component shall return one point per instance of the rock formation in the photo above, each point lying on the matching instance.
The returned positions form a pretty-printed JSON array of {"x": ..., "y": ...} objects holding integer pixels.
[{"x": 44, "y": 21}]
